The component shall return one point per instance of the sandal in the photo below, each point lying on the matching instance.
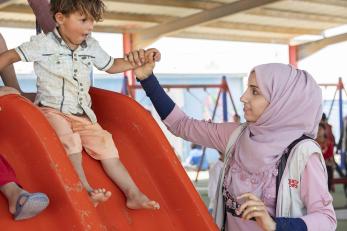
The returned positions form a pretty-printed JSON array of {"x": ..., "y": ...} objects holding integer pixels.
[{"x": 33, "y": 205}]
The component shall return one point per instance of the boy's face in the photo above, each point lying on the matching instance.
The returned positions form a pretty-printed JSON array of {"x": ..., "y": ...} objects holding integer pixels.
[{"x": 74, "y": 28}]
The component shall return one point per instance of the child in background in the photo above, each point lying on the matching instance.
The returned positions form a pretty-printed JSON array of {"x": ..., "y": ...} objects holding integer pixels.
[
  {"x": 194, "y": 158},
  {"x": 63, "y": 61},
  {"x": 328, "y": 152}
]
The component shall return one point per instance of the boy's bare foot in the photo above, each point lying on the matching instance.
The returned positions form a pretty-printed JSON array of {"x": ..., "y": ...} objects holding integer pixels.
[
  {"x": 140, "y": 201},
  {"x": 99, "y": 195}
]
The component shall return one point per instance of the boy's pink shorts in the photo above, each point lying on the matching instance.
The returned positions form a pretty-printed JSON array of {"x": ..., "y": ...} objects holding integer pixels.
[{"x": 78, "y": 132}]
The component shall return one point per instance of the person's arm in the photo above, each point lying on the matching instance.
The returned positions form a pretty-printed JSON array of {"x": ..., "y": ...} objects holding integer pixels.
[
  {"x": 119, "y": 65},
  {"x": 318, "y": 201},
  {"x": 316, "y": 197},
  {"x": 289, "y": 224},
  {"x": 201, "y": 132},
  {"x": 8, "y": 74},
  {"x": 123, "y": 64},
  {"x": 7, "y": 58},
  {"x": 161, "y": 101},
  {"x": 41, "y": 9},
  {"x": 213, "y": 135}
]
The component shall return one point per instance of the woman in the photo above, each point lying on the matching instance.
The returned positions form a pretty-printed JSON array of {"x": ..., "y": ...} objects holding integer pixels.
[{"x": 281, "y": 104}]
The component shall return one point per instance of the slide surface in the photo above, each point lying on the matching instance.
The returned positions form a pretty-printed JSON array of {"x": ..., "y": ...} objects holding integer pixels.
[{"x": 30, "y": 145}]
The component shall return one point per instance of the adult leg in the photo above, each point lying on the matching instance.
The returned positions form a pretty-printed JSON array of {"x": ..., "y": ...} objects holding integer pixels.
[
  {"x": 9, "y": 184},
  {"x": 12, "y": 192},
  {"x": 19, "y": 199}
]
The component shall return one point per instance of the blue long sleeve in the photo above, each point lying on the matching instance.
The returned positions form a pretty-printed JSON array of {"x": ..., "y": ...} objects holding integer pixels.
[
  {"x": 160, "y": 100},
  {"x": 289, "y": 224}
]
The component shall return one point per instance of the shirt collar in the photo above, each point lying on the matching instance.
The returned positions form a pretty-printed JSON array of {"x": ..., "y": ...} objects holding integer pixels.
[{"x": 61, "y": 41}]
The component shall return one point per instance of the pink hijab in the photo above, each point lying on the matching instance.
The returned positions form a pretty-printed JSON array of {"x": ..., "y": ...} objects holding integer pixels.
[{"x": 295, "y": 109}]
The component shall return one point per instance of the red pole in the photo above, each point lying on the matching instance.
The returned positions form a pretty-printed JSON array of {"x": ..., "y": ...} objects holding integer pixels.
[
  {"x": 340, "y": 84},
  {"x": 292, "y": 55},
  {"x": 127, "y": 47}
]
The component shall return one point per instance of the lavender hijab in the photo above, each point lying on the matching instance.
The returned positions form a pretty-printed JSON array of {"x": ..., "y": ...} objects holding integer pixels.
[{"x": 294, "y": 109}]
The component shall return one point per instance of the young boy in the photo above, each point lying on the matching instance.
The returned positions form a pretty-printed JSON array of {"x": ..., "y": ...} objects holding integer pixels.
[{"x": 63, "y": 61}]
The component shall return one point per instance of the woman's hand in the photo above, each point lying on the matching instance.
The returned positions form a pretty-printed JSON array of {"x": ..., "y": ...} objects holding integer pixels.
[
  {"x": 143, "y": 61},
  {"x": 253, "y": 207}
]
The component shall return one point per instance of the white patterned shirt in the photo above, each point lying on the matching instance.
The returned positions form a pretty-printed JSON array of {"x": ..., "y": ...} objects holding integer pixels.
[{"x": 63, "y": 75}]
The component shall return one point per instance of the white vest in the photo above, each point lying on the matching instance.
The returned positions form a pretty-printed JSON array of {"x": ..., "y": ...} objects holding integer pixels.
[
  {"x": 289, "y": 203},
  {"x": 292, "y": 205}
]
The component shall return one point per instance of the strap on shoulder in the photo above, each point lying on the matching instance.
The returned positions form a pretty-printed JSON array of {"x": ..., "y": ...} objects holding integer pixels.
[
  {"x": 232, "y": 139},
  {"x": 283, "y": 161}
]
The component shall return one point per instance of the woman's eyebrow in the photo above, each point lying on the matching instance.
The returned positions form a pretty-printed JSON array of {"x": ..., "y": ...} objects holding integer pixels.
[{"x": 254, "y": 86}]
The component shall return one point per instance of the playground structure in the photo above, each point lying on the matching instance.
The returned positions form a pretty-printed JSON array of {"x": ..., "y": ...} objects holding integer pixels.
[
  {"x": 76, "y": 209},
  {"x": 223, "y": 94},
  {"x": 30, "y": 144}
]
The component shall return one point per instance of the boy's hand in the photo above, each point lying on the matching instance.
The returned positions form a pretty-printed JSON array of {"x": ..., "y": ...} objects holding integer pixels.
[
  {"x": 136, "y": 58},
  {"x": 152, "y": 53},
  {"x": 143, "y": 61},
  {"x": 139, "y": 57}
]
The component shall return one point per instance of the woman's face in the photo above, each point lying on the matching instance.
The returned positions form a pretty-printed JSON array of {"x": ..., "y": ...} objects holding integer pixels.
[{"x": 254, "y": 103}]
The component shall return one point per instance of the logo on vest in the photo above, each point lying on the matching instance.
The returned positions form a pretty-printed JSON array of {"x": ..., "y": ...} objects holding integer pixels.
[{"x": 293, "y": 183}]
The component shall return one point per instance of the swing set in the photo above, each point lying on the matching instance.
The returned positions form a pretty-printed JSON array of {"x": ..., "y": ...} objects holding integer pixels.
[
  {"x": 340, "y": 89},
  {"x": 223, "y": 94}
]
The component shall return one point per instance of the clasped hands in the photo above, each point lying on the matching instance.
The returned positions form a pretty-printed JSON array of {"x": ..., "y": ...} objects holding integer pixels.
[{"x": 143, "y": 61}]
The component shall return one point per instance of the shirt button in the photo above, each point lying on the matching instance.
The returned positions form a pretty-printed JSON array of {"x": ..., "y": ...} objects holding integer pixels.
[
  {"x": 81, "y": 89},
  {"x": 80, "y": 99},
  {"x": 58, "y": 62},
  {"x": 75, "y": 59},
  {"x": 75, "y": 70},
  {"x": 81, "y": 84}
]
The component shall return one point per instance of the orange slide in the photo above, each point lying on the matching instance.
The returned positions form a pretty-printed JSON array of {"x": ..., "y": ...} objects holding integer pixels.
[{"x": 30, "y": 145}]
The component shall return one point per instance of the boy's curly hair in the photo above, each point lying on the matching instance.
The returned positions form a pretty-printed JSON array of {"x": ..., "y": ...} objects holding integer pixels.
[{"x": 92, "y": 8}]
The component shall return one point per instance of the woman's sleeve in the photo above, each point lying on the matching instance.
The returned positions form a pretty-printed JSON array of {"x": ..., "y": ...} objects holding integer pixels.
[
  {"x": 290, "y": 224},
  {"x": 316, "y": 197},
  {"x": 212, "y": 135}
]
